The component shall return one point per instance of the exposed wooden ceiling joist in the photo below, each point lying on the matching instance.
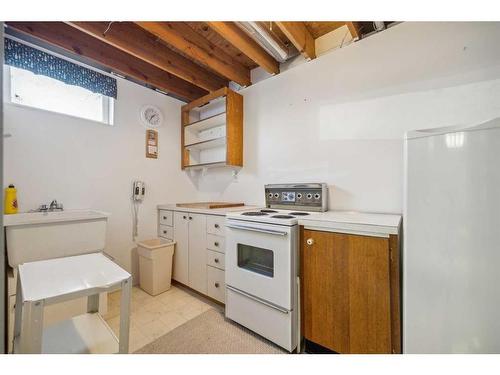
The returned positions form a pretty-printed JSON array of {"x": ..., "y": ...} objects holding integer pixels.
[
  {"x": 354, "y": 29},
  {"x": 185, "y": 39},
  {"x": 135, "y": 41},
  {"x": 300, "y": 36},
  {"x": 320, "y": 28},
  {"x": 212, "y": 36},
  {"x": 74, "y": 41},
  {"x": 238, "y": 38}
]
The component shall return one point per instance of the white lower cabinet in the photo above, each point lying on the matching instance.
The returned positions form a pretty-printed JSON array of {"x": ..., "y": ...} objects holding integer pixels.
[
  {"x": 189, "y": 255},
  {"x": 199, "y": 250},
  {"x": 215, "y": 259},
  {"x": 180, "y": 271},
  {"x": 166, "y": 232},
  {"x": 215, "y": 284},
  {"x": 216, "y": 243}
]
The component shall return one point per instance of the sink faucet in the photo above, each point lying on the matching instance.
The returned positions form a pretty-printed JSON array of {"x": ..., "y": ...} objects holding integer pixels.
[{"x": 54, "y": 206}]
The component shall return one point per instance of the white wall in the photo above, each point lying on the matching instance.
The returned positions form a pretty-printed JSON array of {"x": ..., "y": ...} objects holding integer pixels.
[
  {"x": 341, "y": 118},
  {"x": 85, "y": 164}
]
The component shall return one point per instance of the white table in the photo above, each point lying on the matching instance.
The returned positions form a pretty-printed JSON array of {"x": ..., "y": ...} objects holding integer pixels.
[{"x": 51, "y": 281}]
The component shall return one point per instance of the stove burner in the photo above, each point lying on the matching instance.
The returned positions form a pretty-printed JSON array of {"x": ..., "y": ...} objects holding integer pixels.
[
  {"x": 269, "y": 211},
  {"x": 282, "y": 217},
  {"x": 299, "y": 213},
  {"x": 252, "y": 213}
]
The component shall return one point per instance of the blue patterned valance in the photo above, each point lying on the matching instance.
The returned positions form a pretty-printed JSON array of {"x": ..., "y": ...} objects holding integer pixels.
[{"x": 38, "y": 62}]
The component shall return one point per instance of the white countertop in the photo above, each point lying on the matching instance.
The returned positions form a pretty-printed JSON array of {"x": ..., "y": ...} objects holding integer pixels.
[
  {"x": 208, "y": 211},
  {"x": 28, "y": 218},
  {"x": 353, "y": 222}
]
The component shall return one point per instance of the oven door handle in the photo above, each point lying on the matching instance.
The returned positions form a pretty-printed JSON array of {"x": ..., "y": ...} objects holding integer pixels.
[
  {"x": 257, "y": 299},
  {"x": 253, "y": 229}
]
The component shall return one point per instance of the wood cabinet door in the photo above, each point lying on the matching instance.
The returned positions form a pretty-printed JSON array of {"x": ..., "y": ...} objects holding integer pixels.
[
  {"x": 197, "y": 252},
  {"x": 346, "y": 292},
  {"x": 181, "y": 255}
]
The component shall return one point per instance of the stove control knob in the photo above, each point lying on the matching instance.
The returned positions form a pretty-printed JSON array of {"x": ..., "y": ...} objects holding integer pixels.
[
  {"x": 299, "y": 195},
  {"x": 309, "y": 196},
  {"x": 316, "y": 196},
  {"x": 270, "y": 195},
  {"x": 276, "y": 195}
]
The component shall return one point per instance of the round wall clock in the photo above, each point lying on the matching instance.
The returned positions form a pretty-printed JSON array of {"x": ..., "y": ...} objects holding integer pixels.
[{"x": 151, "y": 116}]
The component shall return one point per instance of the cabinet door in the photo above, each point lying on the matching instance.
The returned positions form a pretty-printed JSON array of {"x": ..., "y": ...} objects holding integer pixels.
[
  {"x": 181, "y": 255},
  {"x": 198, "y": 252},
  {"x": 346, "y": 292}
]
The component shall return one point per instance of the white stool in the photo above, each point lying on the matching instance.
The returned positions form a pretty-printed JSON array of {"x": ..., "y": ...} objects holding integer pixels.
[{"x": 51, "y": 281}]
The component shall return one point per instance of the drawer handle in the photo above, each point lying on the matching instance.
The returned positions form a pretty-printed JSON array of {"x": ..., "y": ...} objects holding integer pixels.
[
  {"x": 164, "y": 232},
  {"x": 216, "y": 244},
  {"x": 310, "y": 241},
  {"x": 164, "y": 218},
  {"x": 184, "y": 217},
  {"x": 216, "y": 260},
  {"x": 216, "y": 226},
  {"x": 216, "y": 285},
  {"x": 190, "y": 218}
]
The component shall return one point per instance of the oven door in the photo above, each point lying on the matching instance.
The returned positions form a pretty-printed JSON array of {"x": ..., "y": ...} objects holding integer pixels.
[{"x": 260, "y": 260}]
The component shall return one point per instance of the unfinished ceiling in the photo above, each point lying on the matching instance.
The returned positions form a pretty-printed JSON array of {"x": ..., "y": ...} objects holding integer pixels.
[{"x": 185, "y": 59}]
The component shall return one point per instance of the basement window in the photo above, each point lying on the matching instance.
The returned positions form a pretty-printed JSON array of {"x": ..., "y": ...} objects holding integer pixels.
[
  {"x": 49, "y": 94},
  {"x": 41, "y": 79}
]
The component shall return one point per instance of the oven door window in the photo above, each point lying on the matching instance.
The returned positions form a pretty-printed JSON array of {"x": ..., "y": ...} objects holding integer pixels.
[{"x": 256, "y": 259}]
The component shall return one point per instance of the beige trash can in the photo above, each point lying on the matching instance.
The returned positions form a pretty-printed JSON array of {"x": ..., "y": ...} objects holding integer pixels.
[{"x": 155, "y": 265}]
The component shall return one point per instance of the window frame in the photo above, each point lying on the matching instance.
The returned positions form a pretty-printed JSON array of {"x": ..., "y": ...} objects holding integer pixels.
[{"x": 108, "y": 103}]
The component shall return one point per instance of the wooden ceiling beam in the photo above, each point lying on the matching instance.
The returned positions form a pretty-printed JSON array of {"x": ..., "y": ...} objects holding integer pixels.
[
  {"x": 354, "y": 29},
  {"x": 71, "y": 40},
  {"x": 300, "y": 37},
  {"x": 239, "y": 39},
  {"x": 182, "y": 37},
  {"x": 135, "y": 41}
]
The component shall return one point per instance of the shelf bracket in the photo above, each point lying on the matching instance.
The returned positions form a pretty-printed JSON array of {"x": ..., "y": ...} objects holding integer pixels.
[{"x": 235, "y": 174}]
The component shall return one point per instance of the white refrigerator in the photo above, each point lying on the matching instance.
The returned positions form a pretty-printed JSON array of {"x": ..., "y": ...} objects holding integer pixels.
[{"x": 451, "y": 254}]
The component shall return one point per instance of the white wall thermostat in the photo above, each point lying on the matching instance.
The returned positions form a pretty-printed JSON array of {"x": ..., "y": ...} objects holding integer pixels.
[{"x": 151, "y": 116}]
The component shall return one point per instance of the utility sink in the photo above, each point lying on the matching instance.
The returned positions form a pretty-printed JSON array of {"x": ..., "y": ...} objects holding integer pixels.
[{"x": 46, "y": 235}]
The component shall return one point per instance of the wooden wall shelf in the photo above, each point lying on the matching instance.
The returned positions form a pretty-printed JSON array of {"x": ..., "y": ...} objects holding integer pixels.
[{"x": 212, "y": 131}]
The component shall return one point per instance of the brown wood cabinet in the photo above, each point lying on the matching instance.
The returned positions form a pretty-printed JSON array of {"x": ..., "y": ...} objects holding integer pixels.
[
  {"x": 212, "y": 131},
  {"x": 350, "y": 297}
]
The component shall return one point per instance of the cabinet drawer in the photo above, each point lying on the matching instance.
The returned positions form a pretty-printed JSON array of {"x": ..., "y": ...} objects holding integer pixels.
[
  {"x": 216, "y": 243},
  {"x": 166, "y": 217},
  {"x": 215, "y": 259},
  {"x": 215, "y": 283},
  {"x": 216, "y": 225},
  {"x": 166, "y": 232}
]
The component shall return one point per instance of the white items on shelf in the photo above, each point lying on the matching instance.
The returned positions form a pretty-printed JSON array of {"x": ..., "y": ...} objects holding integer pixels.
[{"x": 47, "y": 282}]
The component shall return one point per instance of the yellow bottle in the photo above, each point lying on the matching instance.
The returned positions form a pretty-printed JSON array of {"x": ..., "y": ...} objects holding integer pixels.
[{"x": 10, "y": 203}]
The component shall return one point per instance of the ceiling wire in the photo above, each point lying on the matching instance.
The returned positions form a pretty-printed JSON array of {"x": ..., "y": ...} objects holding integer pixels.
[
  {"x": 343, "y": 39},
  {"x": 107, "y": 28}
]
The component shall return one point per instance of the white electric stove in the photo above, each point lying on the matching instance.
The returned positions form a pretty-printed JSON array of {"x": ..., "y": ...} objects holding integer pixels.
[
  {"x": 266, "y": 215},
  {"x": 262, "y": 261}
]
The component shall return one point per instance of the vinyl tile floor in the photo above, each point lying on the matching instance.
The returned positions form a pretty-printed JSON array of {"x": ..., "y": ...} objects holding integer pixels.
[{"x": 152, "y": 317}]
